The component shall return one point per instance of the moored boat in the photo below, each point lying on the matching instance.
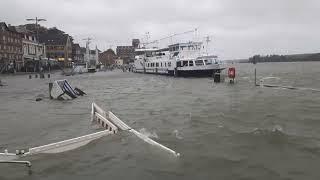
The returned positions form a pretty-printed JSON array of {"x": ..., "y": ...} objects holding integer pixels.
[{"x": 190, "y": 59}]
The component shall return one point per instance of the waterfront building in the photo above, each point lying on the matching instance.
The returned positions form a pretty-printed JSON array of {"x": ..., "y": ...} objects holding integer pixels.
[
  {"x": 135, "y": 43},
  {"x": 77, "y": 55},
  {"x": 10, "y": 48},
  {"x": 107, "y": 57},
  {"x": 58, "y": 46},
  {"x": 126, "y": 53},
  {"x": 34, "y": 53}
]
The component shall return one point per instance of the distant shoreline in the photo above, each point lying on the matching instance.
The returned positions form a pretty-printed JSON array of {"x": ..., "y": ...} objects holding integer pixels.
[{"x": 280, "y": 58}]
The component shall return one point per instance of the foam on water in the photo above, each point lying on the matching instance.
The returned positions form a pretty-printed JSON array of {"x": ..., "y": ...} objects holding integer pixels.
[
  {"x": 149, "y": 134},
  {"x": 177, "y": 134}
]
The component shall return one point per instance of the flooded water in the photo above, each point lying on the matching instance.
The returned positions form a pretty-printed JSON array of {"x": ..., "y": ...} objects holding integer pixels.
[{"x": 222, "y": 131}]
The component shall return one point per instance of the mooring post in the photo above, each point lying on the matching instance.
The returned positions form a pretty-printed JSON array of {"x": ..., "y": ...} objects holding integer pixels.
[
  {"x": 255, "y": 76},
  {"x": 175, "y": 72},
  {"x": 50, "y": 89}
]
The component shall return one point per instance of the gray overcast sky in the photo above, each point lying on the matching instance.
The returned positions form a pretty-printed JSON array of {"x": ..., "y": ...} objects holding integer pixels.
[{"x": 239, "y": 28}]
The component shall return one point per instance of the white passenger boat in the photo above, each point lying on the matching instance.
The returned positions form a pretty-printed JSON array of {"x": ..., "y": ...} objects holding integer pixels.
[{"x": 180, "y": 59}]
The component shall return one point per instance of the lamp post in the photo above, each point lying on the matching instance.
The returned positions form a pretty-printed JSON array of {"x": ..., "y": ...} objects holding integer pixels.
[
  {"x": 37, "y": 20},
  {"x": 36, "y": 23}
]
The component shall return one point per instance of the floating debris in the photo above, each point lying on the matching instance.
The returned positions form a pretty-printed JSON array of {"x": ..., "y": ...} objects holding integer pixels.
[
  {"x": 2, "y": 84},
  {"x": 38, "y": 99},
  {"x": 62, "y": 90},
  {"x": 111, "y": 123}
]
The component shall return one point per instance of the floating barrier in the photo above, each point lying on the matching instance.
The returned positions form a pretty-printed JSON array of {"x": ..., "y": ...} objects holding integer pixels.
[
  {"x": 111, "y": 123},
  {"x": 107, "y": 119},
  {"x": 261, "y": 84},
  {"x": 287, "y": 87}
]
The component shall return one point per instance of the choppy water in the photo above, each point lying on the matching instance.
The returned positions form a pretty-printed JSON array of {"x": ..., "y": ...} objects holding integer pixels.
[{"x": 222, "y": 131}]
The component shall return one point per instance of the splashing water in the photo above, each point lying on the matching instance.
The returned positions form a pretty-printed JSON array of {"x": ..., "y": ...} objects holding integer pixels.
[
  {"x": 145, "y": 132},
  {"x": 268, "y": 78},
  {"x": 277, "y": 128},
  {"x": 177, "y": 134}
]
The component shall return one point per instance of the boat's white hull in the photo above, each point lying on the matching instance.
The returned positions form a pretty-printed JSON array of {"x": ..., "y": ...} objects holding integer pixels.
[{"x": 204, "y": 71}]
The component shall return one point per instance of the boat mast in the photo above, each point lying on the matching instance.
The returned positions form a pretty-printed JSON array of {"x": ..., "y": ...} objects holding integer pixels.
[
  {"x": 207, "y": 41},
  {"x": 88, "y": 41}
]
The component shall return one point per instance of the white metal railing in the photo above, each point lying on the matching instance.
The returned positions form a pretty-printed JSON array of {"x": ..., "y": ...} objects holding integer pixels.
[{"x": 109, "y": 121}]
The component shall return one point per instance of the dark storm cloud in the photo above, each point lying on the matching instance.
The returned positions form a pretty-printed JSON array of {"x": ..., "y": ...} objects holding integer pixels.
[{"x": 240, "y": 28}]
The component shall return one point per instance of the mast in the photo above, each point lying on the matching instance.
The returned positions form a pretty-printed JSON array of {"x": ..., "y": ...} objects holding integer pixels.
[
  {"x": 207, "y": 41},
  {"x": 87, "y": 58}
]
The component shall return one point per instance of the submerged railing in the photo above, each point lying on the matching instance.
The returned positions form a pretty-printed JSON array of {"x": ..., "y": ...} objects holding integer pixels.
[{"x": 111, "y": 123}]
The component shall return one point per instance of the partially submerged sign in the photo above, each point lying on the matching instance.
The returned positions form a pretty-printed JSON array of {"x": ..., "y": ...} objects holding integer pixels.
[{"x": 62, "y": 90}]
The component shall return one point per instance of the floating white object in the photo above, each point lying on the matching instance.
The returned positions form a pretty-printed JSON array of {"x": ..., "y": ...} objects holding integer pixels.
[
  {"x": 110, "y": 122},
  {"x": 61, "y": 89},
  {"x": 8, "y": 156},
  {"x": 57, "y": 147},
  {"x": 69, "y": 144},
  {"x": 124, "y": 127}
]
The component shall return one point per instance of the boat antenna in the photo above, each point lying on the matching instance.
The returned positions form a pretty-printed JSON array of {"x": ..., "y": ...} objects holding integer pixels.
[
  {"x": 88, "y": 41},
  {"x": 207, "y": 41},
  {"x": 195, "y": 30}
]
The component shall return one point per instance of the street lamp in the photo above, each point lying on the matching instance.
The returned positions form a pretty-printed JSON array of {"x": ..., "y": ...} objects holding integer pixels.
[{"x": 37, "y": 31}]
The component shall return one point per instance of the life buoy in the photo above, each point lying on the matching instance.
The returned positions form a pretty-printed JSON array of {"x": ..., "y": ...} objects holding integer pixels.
[{"x": 232, "y": 72}]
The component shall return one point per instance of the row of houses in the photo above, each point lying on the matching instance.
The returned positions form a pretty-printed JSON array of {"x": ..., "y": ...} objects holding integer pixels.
[
  {"x": 123, "y": 55},
  {"x": 22, "y": 49}
]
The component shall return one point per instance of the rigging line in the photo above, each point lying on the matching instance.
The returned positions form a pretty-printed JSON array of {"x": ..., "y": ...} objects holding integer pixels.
[{"x": 175, "y": 34}]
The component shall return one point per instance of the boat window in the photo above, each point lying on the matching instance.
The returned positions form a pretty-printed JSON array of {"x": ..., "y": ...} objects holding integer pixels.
[
  {"x": 184, "y": 63},
  {"x": 169, "y": 64},
  {"x": 208, "y": 61},
  {"x": 190, "y": 63},
  {"x": 199, "y": 63},
  {"x": 161, "y": 64},
  {"x": 179, "y": 64},
  {"x": 165, "y": 64}
]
